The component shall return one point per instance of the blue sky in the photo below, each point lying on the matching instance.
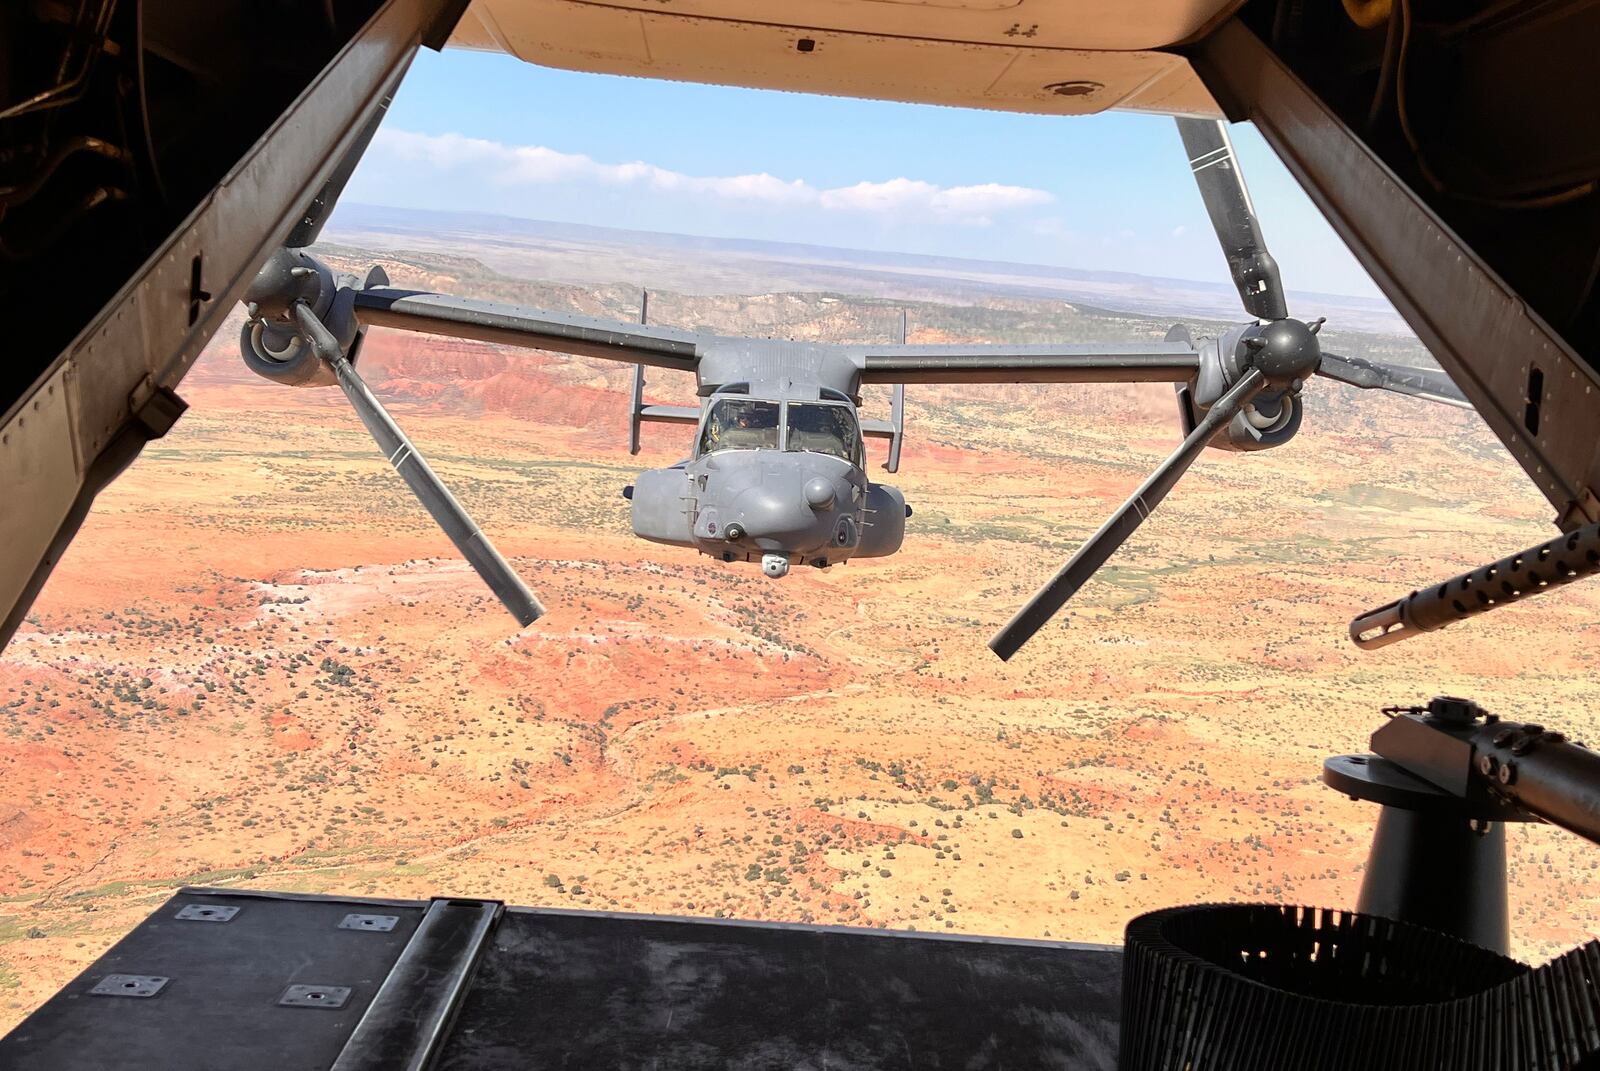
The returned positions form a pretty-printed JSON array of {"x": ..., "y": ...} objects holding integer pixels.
[{"x": 487, "y": 133}]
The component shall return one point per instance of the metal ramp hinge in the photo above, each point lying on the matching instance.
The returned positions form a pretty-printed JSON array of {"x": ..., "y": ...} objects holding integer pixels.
[
  {"x": 315, "y": 996},
  {"x": 129, "y": 985},
  {"x": 207, "y": 913}
]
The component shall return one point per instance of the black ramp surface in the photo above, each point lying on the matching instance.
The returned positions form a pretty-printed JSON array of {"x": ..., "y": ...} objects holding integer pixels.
[
  {"x": 592, "y": 991},
  {"x": 219, "y": 1011}
]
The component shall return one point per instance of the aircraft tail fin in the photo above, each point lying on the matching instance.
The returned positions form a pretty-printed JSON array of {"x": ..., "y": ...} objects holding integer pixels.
[
  {"x": 893, "y": 429},
  {"x": 640, "y": 413}
]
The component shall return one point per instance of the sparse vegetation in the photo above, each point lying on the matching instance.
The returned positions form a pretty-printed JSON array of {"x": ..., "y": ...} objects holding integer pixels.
[{"x": 260, "y": 665}]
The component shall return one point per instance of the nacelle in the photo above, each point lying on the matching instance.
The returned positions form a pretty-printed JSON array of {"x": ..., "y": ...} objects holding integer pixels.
[
  {"x": 1268, "y": 422},
  {"x": 1271, "y": 419},
  {"x": 883, "y": 528},
  {"x": 280, "y": 355},
  {"x": 660, "y": 501},
  {"x": 271, "y": 343}
]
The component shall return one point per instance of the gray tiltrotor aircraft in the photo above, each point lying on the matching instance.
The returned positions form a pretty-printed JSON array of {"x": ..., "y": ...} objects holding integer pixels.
[{"x": 778, "y": 472}]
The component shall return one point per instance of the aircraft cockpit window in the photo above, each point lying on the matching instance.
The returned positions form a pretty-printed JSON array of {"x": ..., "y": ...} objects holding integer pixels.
[
  {"x": 824, "y": 429},
  {"x": 740, "y": 424}
]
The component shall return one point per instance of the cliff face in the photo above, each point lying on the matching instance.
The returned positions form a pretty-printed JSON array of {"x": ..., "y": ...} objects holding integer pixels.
[{"x": 468, "y": 378}]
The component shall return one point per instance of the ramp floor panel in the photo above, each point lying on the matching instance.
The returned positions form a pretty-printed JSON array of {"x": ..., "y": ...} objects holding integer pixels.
[
  {"x": 219, "y": 1008},
  {"x": 627, "y": 992},
  {"x": 288, "y": 982}
]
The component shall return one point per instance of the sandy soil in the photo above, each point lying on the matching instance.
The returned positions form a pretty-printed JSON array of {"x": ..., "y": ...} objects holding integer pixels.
[{"x": 261, "y": 666}]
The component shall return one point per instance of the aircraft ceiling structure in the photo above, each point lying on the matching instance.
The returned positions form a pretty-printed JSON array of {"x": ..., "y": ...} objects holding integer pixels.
[{"x": 1058, "y": 57}]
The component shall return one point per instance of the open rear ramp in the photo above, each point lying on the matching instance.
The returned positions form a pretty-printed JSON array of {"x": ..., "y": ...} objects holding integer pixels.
[{"x": 246, "y": 981}]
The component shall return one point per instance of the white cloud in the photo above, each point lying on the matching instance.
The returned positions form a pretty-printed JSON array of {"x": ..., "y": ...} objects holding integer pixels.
[
  {"x": 989, "y": 197},
  {"x": 896, "y": 195},
  {"x": 961, "y": 204},
  {"x": 517, "y": 165}
]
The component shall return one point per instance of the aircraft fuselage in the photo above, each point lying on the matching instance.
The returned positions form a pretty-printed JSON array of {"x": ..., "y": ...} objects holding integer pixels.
[{"x": 773, "y": 479}]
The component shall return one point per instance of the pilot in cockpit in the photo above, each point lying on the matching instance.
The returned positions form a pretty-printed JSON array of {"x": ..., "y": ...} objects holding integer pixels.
[{"x": 742, "y": 425}]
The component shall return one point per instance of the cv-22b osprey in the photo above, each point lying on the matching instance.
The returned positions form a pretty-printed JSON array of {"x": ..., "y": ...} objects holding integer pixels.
[{"x": 777, "y": 473}]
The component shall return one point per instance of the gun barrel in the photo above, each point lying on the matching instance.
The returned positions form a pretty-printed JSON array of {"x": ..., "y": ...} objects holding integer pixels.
[{"x": 1549, "y": 565}]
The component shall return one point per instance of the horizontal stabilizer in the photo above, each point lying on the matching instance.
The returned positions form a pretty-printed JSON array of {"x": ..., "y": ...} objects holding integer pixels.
[{"x": 670, "y": 414}]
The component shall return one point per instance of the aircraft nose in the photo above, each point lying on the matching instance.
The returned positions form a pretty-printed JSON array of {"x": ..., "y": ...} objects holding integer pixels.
[{"x": 790, "y": 514}]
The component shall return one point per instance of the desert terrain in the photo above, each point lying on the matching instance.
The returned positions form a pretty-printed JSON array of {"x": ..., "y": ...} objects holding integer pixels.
[{"x": 260, "y": 665}]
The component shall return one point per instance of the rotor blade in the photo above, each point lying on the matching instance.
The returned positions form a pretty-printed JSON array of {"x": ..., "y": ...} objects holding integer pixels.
[
  {"x": 512, "y": 325},
  {"x": 1158, "y": 362},
  {"x": 429, "y": 489},
  {"x": 1233, "y": 217},
  {"x": 1122, "y": 524},
  {"x": 1371, "y": 375}
]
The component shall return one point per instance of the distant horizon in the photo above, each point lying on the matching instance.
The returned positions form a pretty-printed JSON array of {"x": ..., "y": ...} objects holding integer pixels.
[
  {"x": 1112, "y": 190},
  {"x": 340, "y": 218}
]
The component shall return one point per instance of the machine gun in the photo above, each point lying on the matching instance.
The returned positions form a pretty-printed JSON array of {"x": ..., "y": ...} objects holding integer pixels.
[{"x": 1418, "y": 976}]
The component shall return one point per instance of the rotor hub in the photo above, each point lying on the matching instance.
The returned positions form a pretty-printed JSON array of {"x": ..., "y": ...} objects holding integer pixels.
[
  {"x": 289, "y": 275},
  {"x": 1286, "y": 352}
]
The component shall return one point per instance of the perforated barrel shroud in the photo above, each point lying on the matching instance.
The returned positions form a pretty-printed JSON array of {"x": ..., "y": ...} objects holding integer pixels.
[{"x": 1230, "y": 987}]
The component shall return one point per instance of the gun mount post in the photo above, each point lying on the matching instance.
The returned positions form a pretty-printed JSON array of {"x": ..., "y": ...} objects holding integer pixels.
[{"x": 1449, "y": 776}]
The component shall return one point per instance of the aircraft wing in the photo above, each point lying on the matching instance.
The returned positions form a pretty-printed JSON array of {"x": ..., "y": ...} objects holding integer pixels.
[
  {"x": 1094, "y": 362},
  {"x": 513, "y": 325}
]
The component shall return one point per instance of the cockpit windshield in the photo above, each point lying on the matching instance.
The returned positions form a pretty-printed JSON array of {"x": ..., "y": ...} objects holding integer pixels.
[
  {"x": 740, "y": 424},
  {"x": 824, "y": 429}
]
